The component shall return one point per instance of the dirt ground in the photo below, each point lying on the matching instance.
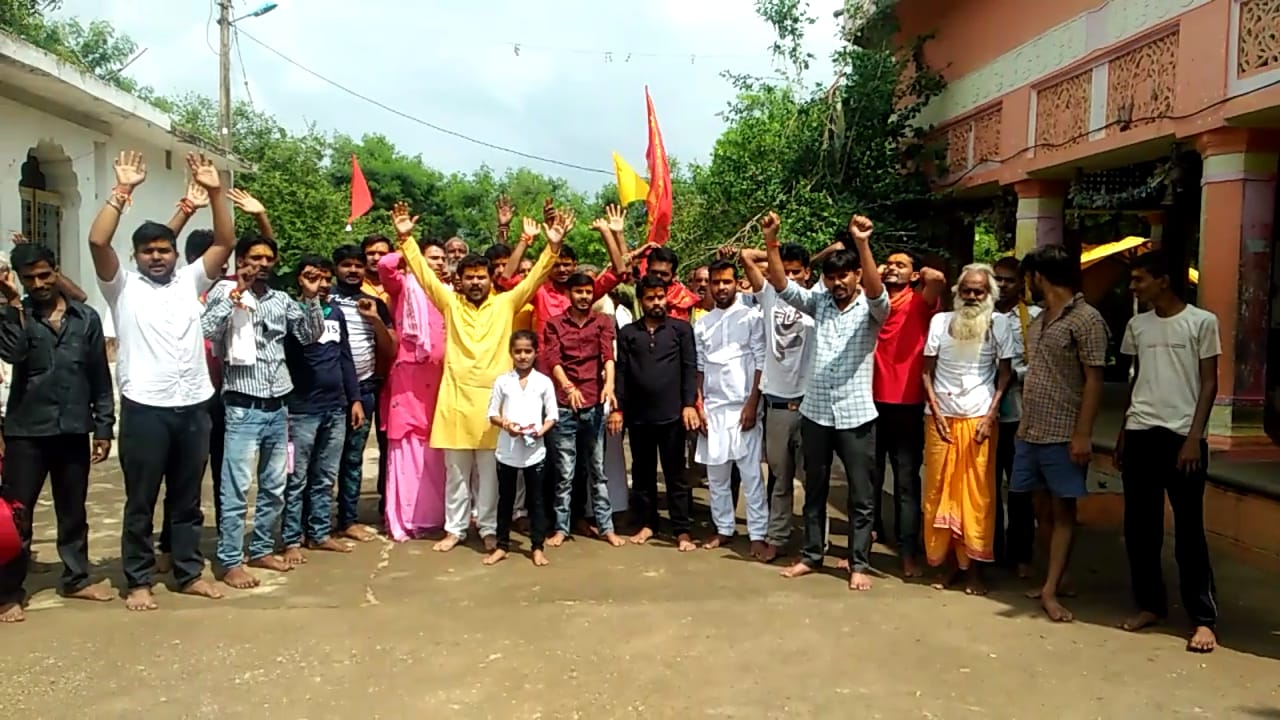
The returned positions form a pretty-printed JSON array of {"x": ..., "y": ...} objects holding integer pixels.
[{"x": 395, "y": 631}]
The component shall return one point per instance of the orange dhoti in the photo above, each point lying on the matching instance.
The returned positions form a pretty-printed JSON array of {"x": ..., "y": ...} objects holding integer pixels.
[{"x": 959, "y": 493}]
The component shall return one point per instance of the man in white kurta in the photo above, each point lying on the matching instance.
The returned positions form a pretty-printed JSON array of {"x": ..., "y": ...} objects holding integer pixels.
[{"x": 731, "y": 352}]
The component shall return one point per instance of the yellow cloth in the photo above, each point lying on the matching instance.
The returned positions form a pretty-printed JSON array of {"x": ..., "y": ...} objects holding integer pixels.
[
  {"x": 630, "y": 187},
  {"x": 524, "y": 318},
  {"x": 476, "y": 351},
  {"x": 959, "y": 494},
  {"x": 697, "y": 314},
  {"x": 369, "y": 288}
]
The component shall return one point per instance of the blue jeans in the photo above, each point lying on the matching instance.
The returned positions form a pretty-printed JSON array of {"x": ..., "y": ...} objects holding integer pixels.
[
  {"x": 351, "y": 468},
  {"x": 256, "y": 440},
  {"x": 308, "y": 495},
  {"x": 577, "y": 434},
  {"x": 1048, "y": 465}
]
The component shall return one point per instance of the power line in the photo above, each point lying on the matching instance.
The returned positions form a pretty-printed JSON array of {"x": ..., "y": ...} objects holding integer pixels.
[
  {"x": 420, "y": 121},
  {"x": 244, "y": 73}
]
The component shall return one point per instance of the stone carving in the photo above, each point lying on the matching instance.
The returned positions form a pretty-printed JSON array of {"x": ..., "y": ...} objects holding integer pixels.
[
  {"x": 958, "y": 145},
  {"x": 1141, "y": 84},
  {"x": 986, "y": 137},
  {"x": 1062, "y": 113},
  {"x": 1259, "y": 49}
]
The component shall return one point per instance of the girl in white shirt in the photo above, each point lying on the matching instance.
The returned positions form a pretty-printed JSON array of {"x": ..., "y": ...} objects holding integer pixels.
[{"x": 523, "y": 405}]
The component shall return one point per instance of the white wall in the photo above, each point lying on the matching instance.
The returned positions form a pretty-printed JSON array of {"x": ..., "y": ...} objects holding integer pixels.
[{"x": 83, "y": 176}]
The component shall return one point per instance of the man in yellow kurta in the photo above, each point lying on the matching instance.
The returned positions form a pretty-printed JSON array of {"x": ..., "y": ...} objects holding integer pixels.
[{"x": 478, "y": 325}]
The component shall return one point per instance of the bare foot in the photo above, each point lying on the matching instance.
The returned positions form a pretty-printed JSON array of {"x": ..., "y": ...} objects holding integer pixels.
[
  {"x": 239, "y": 578},
  {"x": 294, "y": 557},
  {"x": 12, "y": 613},
  {"x": 614, "y": 539},
  {"x": 642, "y": 537},
  {"x": 449, "y": 542},
  {"x": 1054, "y": 609},
  {"x": 946, "y": 579},
  {"x": 330, "y": 545},
  {"x": 1203, "y": 640},
  {"x": 843, "y": 564},
  {"x": 798, "y": 570},
  {"x": 495, "y": 556},
  {"x": 271, "y": 562},
  {"x": 490, "y": 543},
  {"x": 769, "y": 553},
  {"x": 96, "y": 593},
  {"x": 684, "y": 543},
  {"x": 1064, "y": 590},
  {"x": 860, "y": 582},
  {"x": 140, "y": 600},
  {"x": 974, "y": 584},
  {"x": 359, "y": 533},
  {"x": 164, "y": 563},
  {"x": 911, "y": 568},
  {"x": 1140, "y": 621},
  {"x": 716, "y": 541},
  {"x": 758, "y": 548},
  {"x": 202, "y": 588},
  {"x": 556, "y": 540},
  {"x": 540, "y": 559}
]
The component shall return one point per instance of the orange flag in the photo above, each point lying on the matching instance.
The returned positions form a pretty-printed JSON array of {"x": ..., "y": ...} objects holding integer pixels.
[
  {"x": 361, "y": 198},
  {"x": 659, "y": 200}
]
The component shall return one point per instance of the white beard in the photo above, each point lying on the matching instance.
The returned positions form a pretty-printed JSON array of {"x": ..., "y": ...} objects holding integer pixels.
[{"x": 971, "y": 322}]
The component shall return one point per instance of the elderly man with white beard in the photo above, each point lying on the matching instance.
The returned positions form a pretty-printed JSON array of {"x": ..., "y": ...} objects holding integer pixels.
[{"x": 967, "y": 367}]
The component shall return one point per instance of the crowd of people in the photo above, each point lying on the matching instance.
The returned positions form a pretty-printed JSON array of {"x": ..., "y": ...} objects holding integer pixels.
[{"x": 500, "y": 391}]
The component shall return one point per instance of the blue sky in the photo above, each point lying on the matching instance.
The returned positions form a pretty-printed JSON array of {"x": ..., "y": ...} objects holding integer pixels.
[{"x": 452, "y": 63}]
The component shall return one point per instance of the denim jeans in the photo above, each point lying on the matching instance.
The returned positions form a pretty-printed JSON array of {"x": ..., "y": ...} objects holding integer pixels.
[
  {"x": 256, "y": 440},
  {"x": 351, "y": 467},
  {"x": 580, "y": 433},
  {"x": 308, "y": 495}
]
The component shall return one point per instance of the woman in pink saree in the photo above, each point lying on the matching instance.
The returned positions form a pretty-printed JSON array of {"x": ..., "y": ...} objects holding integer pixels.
[{"x": 415, "y": 471}]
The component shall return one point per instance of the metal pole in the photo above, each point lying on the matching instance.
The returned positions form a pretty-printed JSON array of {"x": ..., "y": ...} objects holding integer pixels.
[{"x": 224, "y": 74}]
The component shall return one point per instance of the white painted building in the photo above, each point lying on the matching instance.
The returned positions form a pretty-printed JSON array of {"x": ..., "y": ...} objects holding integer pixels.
[{"x": 60, "y": 131}]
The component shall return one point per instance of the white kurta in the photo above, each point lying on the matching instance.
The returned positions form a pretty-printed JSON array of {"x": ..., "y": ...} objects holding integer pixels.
[{"x": 731, "y": 348}]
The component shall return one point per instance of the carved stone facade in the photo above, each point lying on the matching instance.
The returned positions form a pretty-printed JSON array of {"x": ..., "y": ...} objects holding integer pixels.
[
  {"x": 1141, "y": 84},
  {"x": 986, "y": 137},
  {"x": 959, "y": 137},
  {"x": 974, "y": 141},
  {"x": 1062, "y": 113},
  {"x": 1259, "y": 49}
]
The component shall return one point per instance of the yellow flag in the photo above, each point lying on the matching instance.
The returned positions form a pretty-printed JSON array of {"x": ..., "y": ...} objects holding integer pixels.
[{"x": 631, "y": 187}]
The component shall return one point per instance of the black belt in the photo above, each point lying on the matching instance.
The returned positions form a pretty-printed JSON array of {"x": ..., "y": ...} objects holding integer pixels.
[
  {"x": 249, "y": 402},
  {"x": 792, "y": 404}
]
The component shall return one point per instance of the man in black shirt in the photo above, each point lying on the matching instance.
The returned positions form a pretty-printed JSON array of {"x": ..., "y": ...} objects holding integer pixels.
[
  {"x": 656, "y": 391},
  {"x": 61, "y": 392}
]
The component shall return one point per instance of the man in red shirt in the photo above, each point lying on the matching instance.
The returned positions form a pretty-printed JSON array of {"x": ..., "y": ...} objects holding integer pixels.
[{"x": 898, "y": 390}]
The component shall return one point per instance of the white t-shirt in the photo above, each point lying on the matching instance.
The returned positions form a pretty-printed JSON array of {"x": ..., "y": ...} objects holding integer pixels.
[
  {"x": 788, "y": 346},
  {"x": 161, "y": 360},
  {"x": 532, "y": 405},
  {"x": 1169, "y": 351},
  {"x": 1011, "y": 403},
  {"x": 964, "y": 377}
]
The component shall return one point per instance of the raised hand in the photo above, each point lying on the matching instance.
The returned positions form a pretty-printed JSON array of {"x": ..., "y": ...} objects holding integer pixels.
[
  {"x": 726, "y": 252},
  {"x": 309, "y": 282},
  {"x": 600, "y": 225},
  {"x": 531, "y": 227},
  {"x": 549, "y": 212},
  {"x": 401, "y": 220},
  {"x": 617, "y": 217},
  {"x": 506, "y": 211},
  {"x": 769, "y": 225},
  {"x": 196, "y": 195},
  {"x": 203, "y": 171},
  {"x": 860, "y": 228},
  {"x": 131, "y": 171},
  {"x": 367, "y": 308},
  {"x": 566, "y": 218},
  {"x": 18, "y": 238},
  {"x": 246, "y": 202},
  {"x": 9, "y": 285}
]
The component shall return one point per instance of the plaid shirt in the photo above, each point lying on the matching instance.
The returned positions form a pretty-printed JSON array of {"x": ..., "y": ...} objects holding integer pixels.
[
  {"x": 1057, "y": 355},
  {"x": 838, "y": 393}
]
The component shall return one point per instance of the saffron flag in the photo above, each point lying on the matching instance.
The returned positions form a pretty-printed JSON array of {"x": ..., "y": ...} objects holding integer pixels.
[
  {"x": 631, "y": 187},
  {"x": 658, "y": 201},
  {"x": 361, "y": 199}
]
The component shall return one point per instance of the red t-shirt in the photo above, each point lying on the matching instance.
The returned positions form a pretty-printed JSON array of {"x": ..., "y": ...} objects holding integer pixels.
[{"x": 899, "y": 368}]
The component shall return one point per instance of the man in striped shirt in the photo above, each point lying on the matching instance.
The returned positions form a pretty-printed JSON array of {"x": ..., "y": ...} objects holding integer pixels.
[{"x": 256, "y": 382}]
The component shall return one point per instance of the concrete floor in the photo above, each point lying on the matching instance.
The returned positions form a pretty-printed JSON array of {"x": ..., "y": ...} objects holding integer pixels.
[{"x": 395, "y": 631}]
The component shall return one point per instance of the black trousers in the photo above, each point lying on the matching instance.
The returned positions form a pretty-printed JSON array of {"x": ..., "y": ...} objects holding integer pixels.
[
  {"x": 649, "y": 443},
  {"x": 1016, "y": 539},
  {"x": 217, "y": 439},
  {"x": 1150, "y": 472},
  {"x": 900, "y": 442},
  {"x": 380, "y": 436},
  {"x": 170, "y": 446},
  {"x": 856, "y": 449},
  {"x": 64, "y": 459},
  {"x": 535, "y": 503}
]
